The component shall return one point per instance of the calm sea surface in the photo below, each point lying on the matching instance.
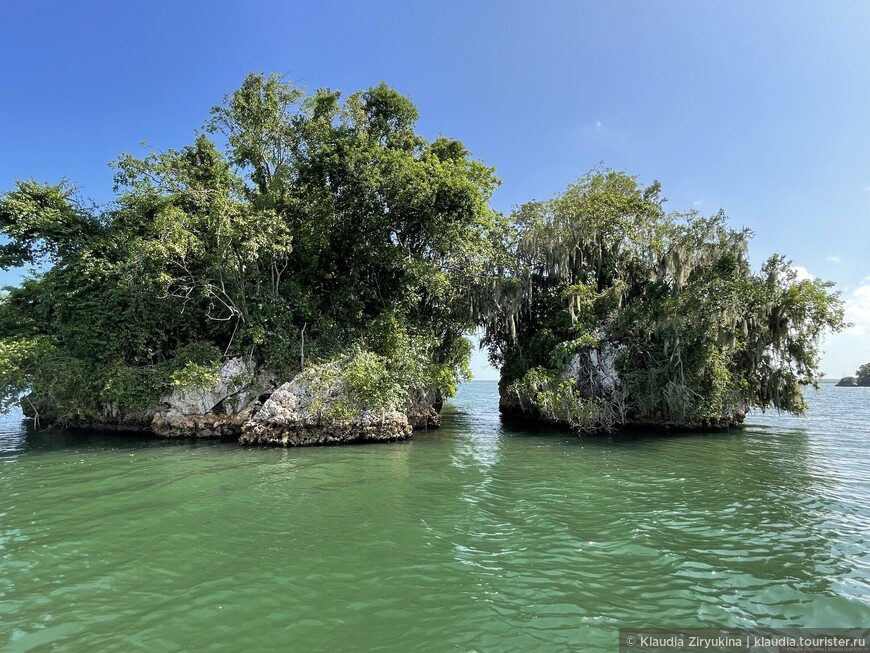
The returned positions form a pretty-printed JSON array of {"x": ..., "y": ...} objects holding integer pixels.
[{"x": 475, "y": 537}]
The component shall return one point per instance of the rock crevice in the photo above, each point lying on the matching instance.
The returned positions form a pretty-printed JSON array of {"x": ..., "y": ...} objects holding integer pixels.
[
  {"x": 299, "y": 413},
  {"x": 314, "y": 408}
]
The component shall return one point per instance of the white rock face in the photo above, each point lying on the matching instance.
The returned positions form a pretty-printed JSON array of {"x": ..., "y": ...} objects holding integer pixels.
[
  {"x": 217, "y": 411},
  {"x": 246, "y": 404},
  {"x": 291, "y": 403},
  {"x": 235, "y": 372},
  {"x": 595, "y": 371},
  {"x": 597, "y": 377},
  {"x": 301, "y": 412},
  {"x": 423, "y": 409}
]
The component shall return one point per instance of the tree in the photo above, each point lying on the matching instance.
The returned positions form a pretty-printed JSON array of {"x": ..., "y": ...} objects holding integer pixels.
[
  {"x": 330, "y": 224},
  {"x": 863, "y": 375},
  {"x": 629, "y": 314},
  {"x": 325, "y": 219}
]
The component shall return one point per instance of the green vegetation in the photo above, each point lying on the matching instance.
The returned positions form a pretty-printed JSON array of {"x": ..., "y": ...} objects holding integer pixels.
[
  {"x": 326, "y": 226},
  {"x": 605, "y": 279},
  {"x": 360, "y": 380},
  {"x": 328, "y": 235},
  {"x": 861, "y": 378}
]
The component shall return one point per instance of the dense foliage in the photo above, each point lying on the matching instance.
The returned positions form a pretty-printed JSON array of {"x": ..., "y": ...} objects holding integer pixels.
[
  {"x": 326, "y": 226},
  {"x": 316, "y": 230},
  {"x": 862, "y": 375},
  {"x": 623, "y": 312}
]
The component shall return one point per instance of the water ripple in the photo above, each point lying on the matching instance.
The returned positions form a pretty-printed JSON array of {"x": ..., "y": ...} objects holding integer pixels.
[{"x": 478, "y": 536}]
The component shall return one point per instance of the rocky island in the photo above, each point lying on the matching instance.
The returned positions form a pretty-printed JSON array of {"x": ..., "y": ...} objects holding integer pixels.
[
  {"x": 317, "y": 406},
  {"x": 315, "y": 283},
  {"x": 861, "y": 378}
]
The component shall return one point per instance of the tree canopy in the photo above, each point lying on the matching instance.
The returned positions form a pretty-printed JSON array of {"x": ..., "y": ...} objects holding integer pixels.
[
  {"x": 659, "y": 313},
  {"x": 326, "y": 224},
  {"x": 301, "y": 228}
]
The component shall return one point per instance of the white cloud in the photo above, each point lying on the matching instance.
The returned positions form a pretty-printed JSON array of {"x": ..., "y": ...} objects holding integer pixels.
[
  {"x": 698, "y": 202},
  {"x": 802, "y": 273},
  {"x": 833, "y": 259},
  {"x": 858, "y": 309},
  {"x": 845, "y": 351}
]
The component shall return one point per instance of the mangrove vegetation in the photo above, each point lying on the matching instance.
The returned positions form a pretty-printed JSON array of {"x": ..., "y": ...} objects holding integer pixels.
[
  {"x": 306, "y": 231},
  {"x": 624, "y": 313}
]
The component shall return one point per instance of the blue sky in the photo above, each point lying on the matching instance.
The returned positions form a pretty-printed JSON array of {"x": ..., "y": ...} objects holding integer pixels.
[{"x": 759, "y": 108}]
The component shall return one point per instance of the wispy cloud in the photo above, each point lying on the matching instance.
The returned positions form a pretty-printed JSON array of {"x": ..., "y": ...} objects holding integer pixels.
[
  {"x": 698, "y": 202},
  {"x": 833, "y": 259},
  {"x": 857, "y": 305}
]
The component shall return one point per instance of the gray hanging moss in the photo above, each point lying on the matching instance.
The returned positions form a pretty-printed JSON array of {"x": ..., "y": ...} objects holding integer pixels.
[{"x": 607, "y": 285}]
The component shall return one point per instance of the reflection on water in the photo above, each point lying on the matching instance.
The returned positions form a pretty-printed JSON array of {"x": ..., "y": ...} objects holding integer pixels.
[{"x": 477, "y": 536}]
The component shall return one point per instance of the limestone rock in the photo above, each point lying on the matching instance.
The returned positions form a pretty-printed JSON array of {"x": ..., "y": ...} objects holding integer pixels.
[
  {"x": 304, "y": 412},
  {"x": 218, "y": 411},
  {"x": 424, "y": 409},
  {"x": 315, "y": 407},
  {"x": 596, "y": 376}
]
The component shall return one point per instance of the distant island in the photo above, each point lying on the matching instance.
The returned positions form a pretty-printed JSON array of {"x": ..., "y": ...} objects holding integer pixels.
[
  {"x": 314, "y": 283},
  {"x": 861, "y": 378}
]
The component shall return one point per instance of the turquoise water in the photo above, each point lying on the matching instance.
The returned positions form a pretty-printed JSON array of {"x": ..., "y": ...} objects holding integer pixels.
[{"x": 475, "y": 537}]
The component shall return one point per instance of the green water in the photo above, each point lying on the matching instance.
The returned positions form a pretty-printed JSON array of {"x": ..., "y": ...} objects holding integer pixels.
[{"x": 474, "y": 537}]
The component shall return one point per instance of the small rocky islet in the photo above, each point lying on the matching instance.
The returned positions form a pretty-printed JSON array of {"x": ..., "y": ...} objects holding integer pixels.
[
  {"x": 861, "y": 378},
  {"x": 251, "y": 405},
  {"x": 315, "y": 281}
]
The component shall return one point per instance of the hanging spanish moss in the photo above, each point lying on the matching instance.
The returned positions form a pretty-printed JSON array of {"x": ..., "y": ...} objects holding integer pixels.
[{"x": 682, "y": 330}]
